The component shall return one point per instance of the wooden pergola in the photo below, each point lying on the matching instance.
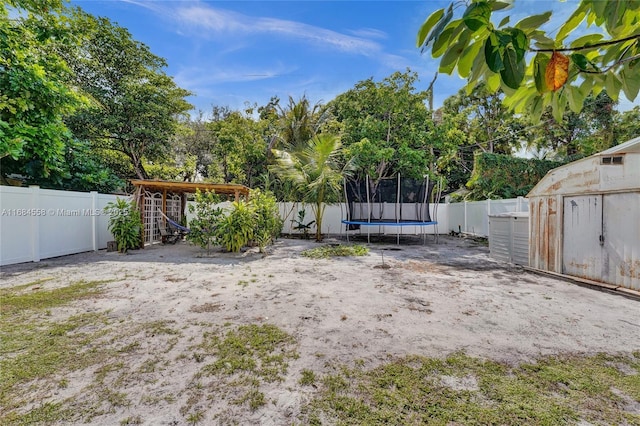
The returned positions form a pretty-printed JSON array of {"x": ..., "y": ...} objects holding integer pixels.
[{"x": 182, "y": 188}]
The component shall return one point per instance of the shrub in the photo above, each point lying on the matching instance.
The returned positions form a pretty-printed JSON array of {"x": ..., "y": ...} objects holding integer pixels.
[
  {"x": 203, "y": 228},
  {"x": 237, "y": 228},
  {"x": 125, "y": 224},
  {"x": 268, "y": 224}
]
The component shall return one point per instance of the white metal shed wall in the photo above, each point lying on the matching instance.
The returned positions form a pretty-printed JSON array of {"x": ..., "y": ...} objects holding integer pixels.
[{"x": 585, "y": 218}]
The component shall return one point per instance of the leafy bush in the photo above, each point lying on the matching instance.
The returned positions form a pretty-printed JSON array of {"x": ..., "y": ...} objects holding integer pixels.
[
  {"x": 203, "y": 228},
  {"x": 255, "y": 220},
  {"x": 125, "y": 224},
  {"x": 498, "y": 176},
  {"x": 237, "y": 229},
  {"x": 268, "y": 223}
]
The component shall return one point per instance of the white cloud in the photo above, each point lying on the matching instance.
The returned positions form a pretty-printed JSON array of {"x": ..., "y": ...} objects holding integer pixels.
[
  {"x": 197, "y": 77},
  {"x": 200, "y": 17}
]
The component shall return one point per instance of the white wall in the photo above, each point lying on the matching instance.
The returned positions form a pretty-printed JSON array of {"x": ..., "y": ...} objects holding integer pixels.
[{"x": 42, "y": 223}]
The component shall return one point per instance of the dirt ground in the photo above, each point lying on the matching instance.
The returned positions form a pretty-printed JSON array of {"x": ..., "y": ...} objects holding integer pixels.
[{"x": 429, "y": 300}]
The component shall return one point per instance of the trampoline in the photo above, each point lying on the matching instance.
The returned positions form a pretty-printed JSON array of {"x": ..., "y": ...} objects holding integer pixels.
[{"x": 396, "y": 202}]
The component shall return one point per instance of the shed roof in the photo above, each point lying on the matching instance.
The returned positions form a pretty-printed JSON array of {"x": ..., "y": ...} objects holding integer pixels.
[
  {"x": 632, "y": 145},
  {"x": 191, "y": 187},
  {"x": 589, "y": 175}
]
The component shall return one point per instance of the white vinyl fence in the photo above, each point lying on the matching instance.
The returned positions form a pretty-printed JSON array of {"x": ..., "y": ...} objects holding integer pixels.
[
  {"x": 472, "y": 217},
  {"x": 42, "y": 223}
]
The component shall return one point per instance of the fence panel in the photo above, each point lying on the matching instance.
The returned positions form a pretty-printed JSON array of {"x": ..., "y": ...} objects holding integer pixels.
[{"x": 42, "y": 223}]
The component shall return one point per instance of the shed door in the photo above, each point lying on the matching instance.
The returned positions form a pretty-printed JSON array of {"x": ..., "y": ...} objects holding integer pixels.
[
  {"x": 621, "y": 255},
  {"x": 582, "y": 249}
]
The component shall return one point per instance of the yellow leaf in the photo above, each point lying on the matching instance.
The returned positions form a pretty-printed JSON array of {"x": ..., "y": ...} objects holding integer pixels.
[{"x": 557, "y": 71}]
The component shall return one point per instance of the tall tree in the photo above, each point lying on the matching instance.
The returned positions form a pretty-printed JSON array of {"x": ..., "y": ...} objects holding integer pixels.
[
  {"x": 34, "y": 94},
  {"x": 298, "y": 122},
  {"x": 578, "y": 134},
  {"x": 487, "y": 122},
  {"x": 385, "y": 126},
  {"x": 532, "y": 68},
  {"x": 626, "y": 125},
  {"x": 135, "y": 105}
]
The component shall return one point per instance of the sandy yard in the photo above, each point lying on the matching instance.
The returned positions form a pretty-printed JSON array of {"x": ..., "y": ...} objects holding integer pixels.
[{"x": 430, "y": 300}]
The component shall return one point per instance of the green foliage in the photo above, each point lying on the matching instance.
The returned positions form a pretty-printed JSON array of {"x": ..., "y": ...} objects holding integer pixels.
[
  {"x": 498, "y": 176},
  {"x": 607, "y": 58},
  {"x": 626, "y": 125},
  {"x": 268, "y": 224},
  {"x": 125, "y": 224},
  {"x": 300, "y": 225},
  {"x": 34, "y": 94},
  {"x": 204, "y": 227},
  {"x": 314, "y": 171},
  {"x": 385, "y": 127},
  {"x": 237, "y": 228},
  {"x": 128, "y": 85},
  {"x": 333, "y": 251}
]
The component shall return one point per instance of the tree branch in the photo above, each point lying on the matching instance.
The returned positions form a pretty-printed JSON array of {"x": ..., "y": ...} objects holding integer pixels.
[{"x": 591, "y": 46}]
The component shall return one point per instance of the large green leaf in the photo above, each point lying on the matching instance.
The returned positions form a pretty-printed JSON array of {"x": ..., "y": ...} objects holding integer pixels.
[
  {"x": 519, "y": 42},
  {"x": 428, "y": 25},
  {"x": 533, "y": 22},
  {"x": 493, "y": 82},
  {"x": 467, "y": 58},
  {"x": 614, "y": 11},
  {"x": 537, "y": 107},
  {"x": 539, "y": 68},
  {"x": 442, "y": 23},
  {"x": 558, "y": 105},
  {"x": 513, "y": 71},
  {"x": 575, "y": 98},
  {"x": 492, "y": 53},
  {"x": 450, "y": 58},
  {"x": 580, "y": 60},
  {"x": 630, "y": 83},
  {"x": 586, "y": 40},
  {"x": 573, "y": 21},
  {"x": 477, "y": 15}
]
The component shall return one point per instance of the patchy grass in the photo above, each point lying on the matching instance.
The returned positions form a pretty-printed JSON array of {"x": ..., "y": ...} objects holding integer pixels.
[
  {"x": 242, "y": 359},
  {"x": 325, "y": 252},
  {"x": 602, "y": 389},
  {"x": 34, "y": 348},
  {"x": 18, "y": 299}
]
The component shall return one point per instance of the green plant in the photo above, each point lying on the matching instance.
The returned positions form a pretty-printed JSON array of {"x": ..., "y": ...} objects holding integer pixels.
[
  {"x": 313, "y": 168},
  {"x": 237, "y": 228},
  {"x": 268, "y": 224},
  {"x": 125, "y": 224},
  {"x": 300, "y": 225},
  {"x": 203, "y": 228},
  {"x": 498, "y": 176}
]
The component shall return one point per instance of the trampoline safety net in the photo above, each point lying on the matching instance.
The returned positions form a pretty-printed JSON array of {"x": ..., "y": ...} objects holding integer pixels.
[{"x": 390, "y": 200}]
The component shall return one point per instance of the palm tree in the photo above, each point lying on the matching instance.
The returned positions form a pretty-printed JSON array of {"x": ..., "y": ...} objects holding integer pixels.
[
  {"x": 299, "y": 121},
  {"x": 313, "y": 168}
]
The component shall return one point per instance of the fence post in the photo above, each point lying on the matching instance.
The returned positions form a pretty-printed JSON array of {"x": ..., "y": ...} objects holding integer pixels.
[
  {"x": 519, "y": 204},
  {"x": 465, "y": 216},
  {"x": 94, "y": 219},
  {"x": 35, "y": 223},
  {"x": 488, "y": 213}
]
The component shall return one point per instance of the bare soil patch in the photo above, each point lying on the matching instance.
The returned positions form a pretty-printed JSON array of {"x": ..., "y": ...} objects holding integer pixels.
[{"x": 167, "y": 316}]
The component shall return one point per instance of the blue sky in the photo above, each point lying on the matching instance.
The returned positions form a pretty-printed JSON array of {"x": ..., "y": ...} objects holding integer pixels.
[{"x": 231, "y": 52}]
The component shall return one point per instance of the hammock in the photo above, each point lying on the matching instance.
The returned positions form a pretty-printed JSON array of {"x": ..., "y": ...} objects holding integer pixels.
[{"x": 182, "y": 229}]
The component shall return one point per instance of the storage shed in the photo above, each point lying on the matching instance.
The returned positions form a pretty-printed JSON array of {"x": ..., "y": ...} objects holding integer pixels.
[{"x": 585, "y": 218}]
